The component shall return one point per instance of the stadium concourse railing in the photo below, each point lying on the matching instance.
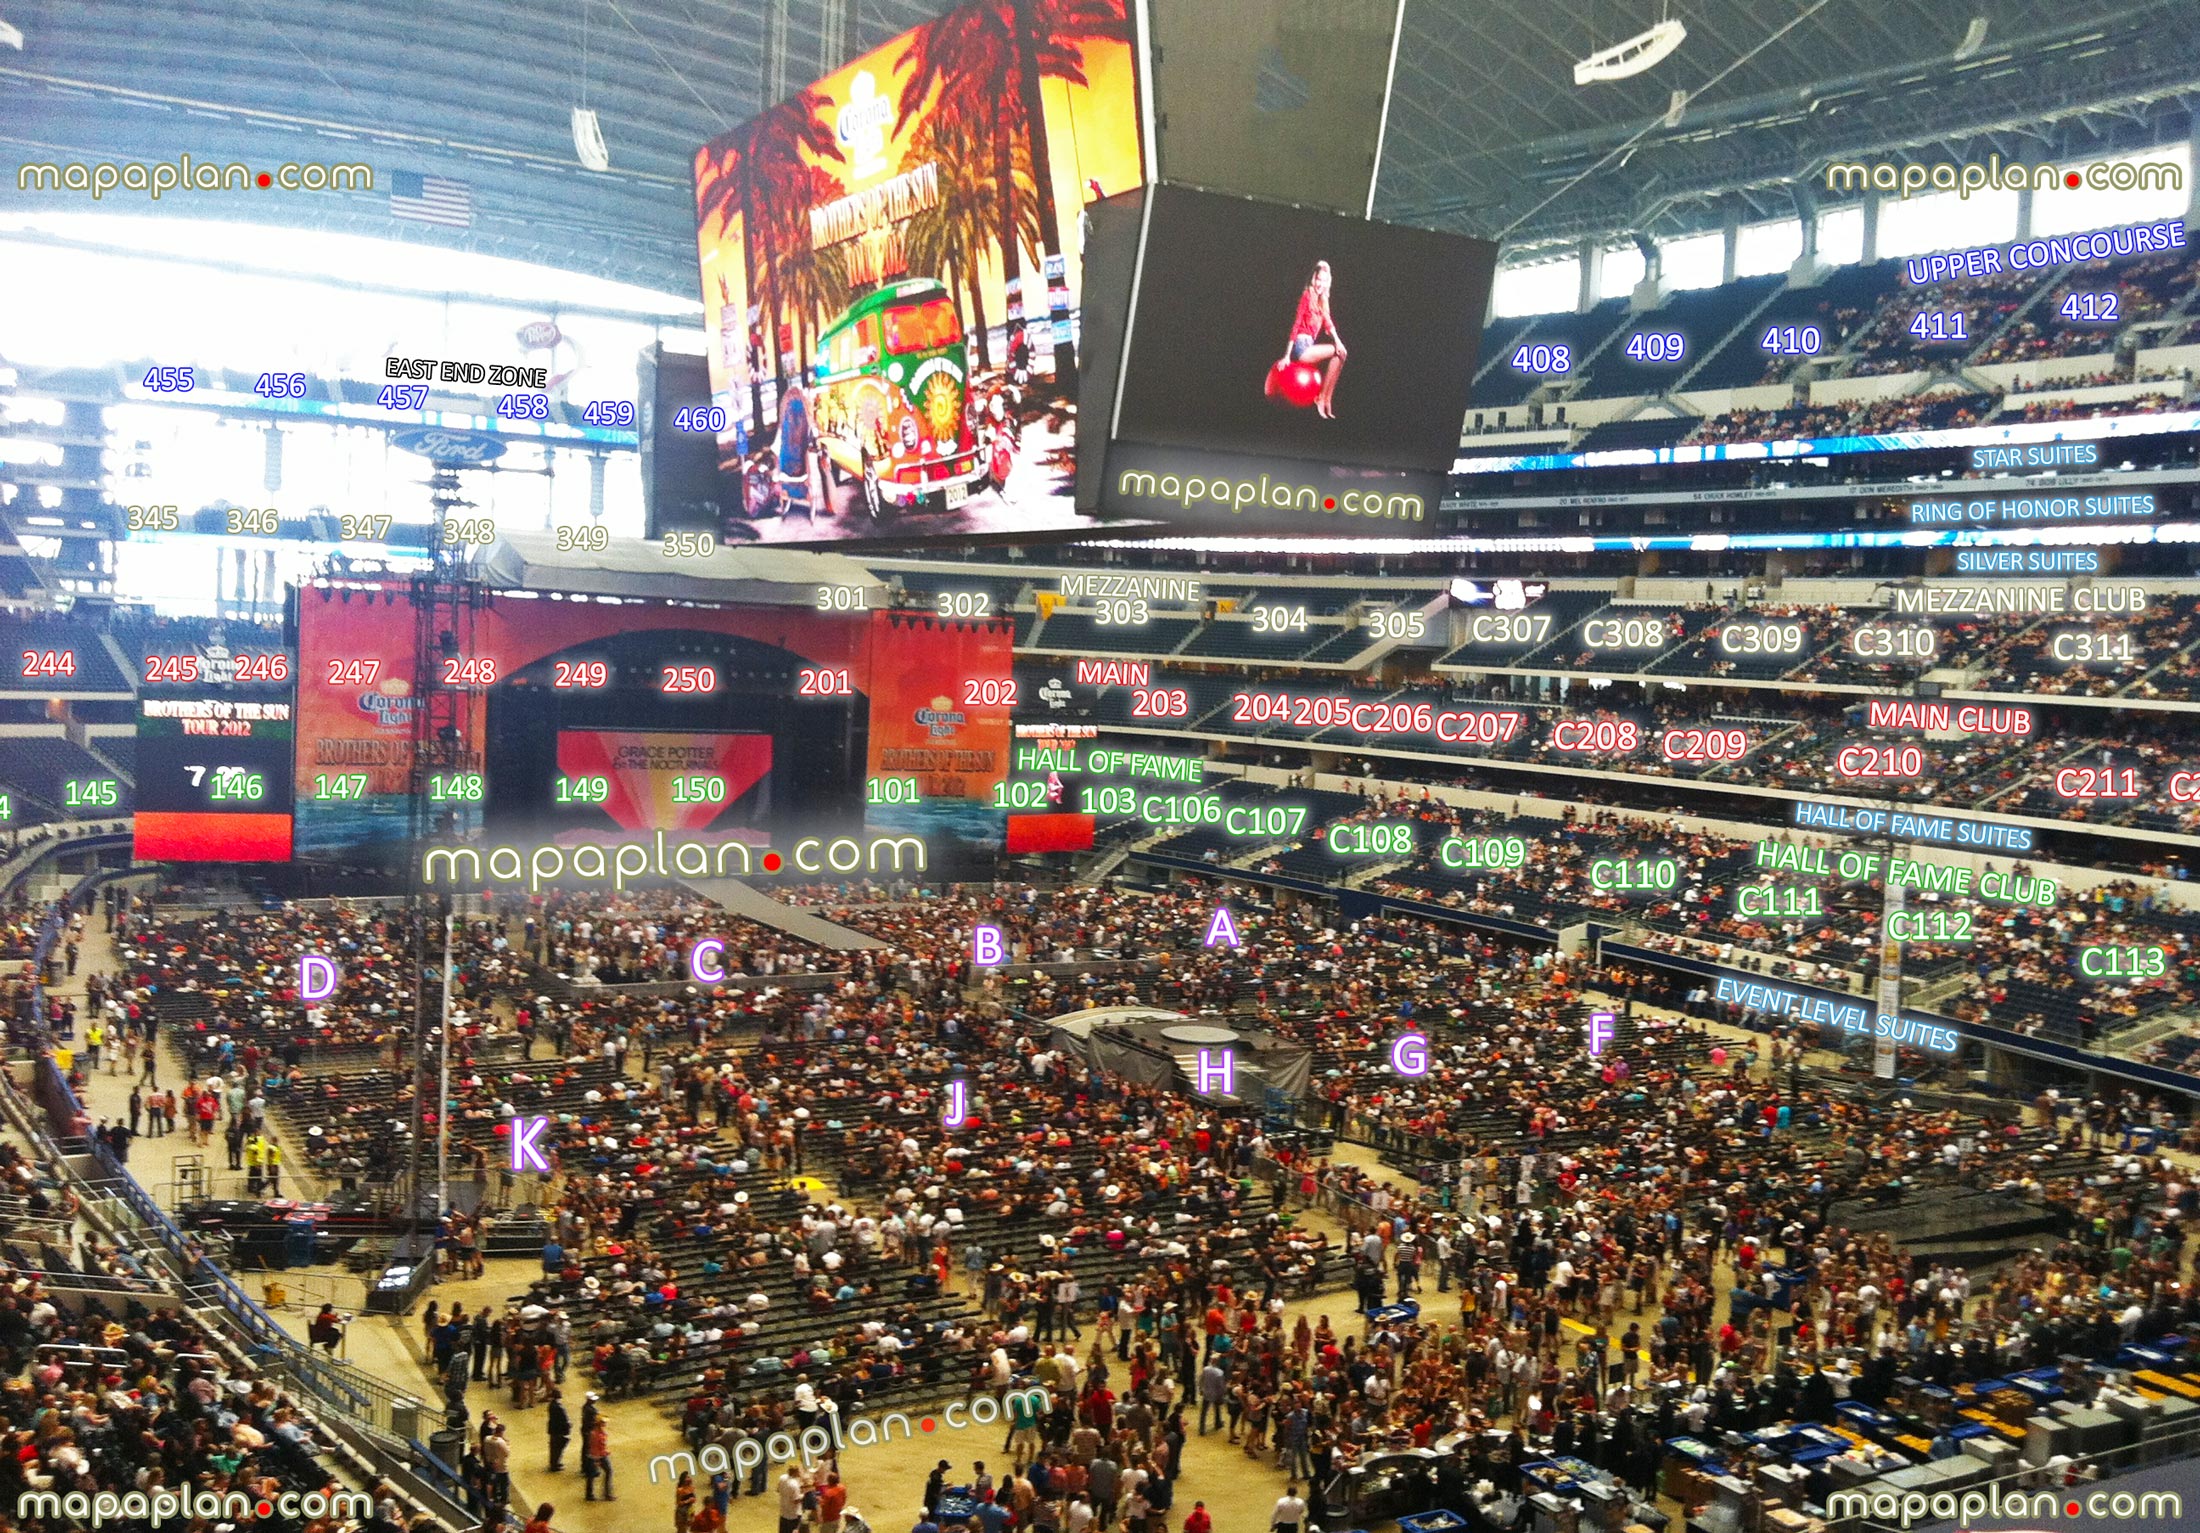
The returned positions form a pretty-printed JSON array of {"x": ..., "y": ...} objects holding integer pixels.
[
  {"x": 387, "y": 1421},
  {"x": 58, "y": 837},
  {"x": 1353, "y": 904}
]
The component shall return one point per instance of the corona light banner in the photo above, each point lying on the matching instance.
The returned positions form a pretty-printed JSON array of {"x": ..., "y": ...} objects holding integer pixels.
[
  {"x": 892, "y": 276},
  {"x": 942, "y": 692},
  {"x": 354, "y": 758}
]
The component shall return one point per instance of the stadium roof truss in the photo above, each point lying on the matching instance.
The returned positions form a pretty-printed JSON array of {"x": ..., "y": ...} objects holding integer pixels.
[{"x": 1486, "y": 123}]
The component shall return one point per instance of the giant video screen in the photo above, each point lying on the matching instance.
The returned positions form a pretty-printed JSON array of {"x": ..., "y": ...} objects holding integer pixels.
[
  {"x": 1259, "y": 329},
  {"x": 213, "y": 776},
  {"x": 892, "y": 271}
]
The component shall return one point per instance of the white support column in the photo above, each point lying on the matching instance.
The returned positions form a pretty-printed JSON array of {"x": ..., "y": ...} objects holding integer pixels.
[{"x": 1592, "y": 276}]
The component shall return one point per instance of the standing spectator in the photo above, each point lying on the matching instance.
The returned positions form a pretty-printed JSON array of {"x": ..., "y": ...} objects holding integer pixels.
[
  {"x": 561, "y": 1431},
  {"x": 496, "y": 1460},
  {"x": 596, "y": 1451},
  {"x": 789, "y": 1486},
  {"x": 1214, "y": 1390},
  {"x": 478, "y": 1339},
  {"x": 1104, "y": 1478}
]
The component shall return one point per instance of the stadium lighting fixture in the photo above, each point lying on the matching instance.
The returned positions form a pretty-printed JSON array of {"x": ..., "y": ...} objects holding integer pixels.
[
  {"x": 1973, "y": 40},
  {"x": 1640, "y": 52},
  {"x": 588, "y": 139}
]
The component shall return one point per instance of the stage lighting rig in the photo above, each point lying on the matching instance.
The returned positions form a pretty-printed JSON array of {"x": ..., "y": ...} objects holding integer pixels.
[{"x": 1632, "y": 57}]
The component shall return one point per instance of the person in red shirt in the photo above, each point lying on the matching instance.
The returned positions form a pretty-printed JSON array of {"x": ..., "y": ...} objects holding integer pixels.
[
  {"x": 831, "y": 1502},
  {"x": 1100, "y": 1408},
  {"x": 1197, "y": 1521}
]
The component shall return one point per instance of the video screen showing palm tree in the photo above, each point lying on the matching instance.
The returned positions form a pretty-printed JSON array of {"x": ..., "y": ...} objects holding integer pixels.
[{"x": 892, "y": 267}]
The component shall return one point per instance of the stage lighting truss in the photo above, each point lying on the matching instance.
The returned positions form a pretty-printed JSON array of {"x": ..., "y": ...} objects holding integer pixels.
[
  {"x": 588, "y": 144},
  {"x": 1633, "y": 56}
]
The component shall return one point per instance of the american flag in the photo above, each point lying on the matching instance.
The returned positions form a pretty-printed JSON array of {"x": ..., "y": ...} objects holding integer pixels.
[{"x": 431, "y": 199}]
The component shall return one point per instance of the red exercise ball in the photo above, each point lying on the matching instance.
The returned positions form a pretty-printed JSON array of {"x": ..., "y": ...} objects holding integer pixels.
[{"x": 1298, "y": 383}]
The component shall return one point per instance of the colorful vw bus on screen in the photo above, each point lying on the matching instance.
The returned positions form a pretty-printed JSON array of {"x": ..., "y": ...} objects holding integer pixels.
[{"x": 892, "y": 399}]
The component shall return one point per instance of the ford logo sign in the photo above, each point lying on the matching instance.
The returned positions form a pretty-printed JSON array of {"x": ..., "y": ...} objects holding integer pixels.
[{"x": 433, "y": 442}]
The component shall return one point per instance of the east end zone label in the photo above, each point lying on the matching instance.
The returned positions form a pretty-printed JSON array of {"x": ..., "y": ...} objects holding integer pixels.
[{"x": 1232, "y": 492}]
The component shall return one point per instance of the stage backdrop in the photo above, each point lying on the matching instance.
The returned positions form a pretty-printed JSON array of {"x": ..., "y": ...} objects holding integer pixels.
[
  {"x": 894, "y": 236},
  {"x": 939, "y": 693}
]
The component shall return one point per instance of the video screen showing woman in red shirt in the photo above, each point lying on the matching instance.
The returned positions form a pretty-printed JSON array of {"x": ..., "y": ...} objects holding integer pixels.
[{"x": 1315, "y": 341}]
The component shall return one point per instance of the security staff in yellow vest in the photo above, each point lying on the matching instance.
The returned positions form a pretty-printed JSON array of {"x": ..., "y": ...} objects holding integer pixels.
[
  {"x": 274, "y": 1169},
  {"x": 94, "y": 1036},
  {"x": 255, "y": 1163}
]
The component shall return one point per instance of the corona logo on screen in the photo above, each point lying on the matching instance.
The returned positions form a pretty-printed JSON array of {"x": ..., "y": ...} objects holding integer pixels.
[
  {"x": 391, "y": 702},
  {"x": 862, "y": 125},
  {"x": 942, "y": 719}
]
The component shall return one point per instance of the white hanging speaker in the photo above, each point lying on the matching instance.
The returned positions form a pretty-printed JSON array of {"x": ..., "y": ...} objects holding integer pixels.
[
  {"x": 1633, "y": 56},
  {"x": 588, "y": 139}
]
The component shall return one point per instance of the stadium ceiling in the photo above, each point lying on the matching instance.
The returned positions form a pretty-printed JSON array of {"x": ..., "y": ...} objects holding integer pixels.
[
  {"x": 1489, "y": 134},
  {"x": 1486, "y": 122}
]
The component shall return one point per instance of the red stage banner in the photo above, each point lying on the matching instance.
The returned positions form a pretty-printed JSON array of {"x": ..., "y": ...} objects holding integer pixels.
[
  {"x": 942, "y": 693},
  {"x": 169, "y": 836},
  {"x": 1050, "y": 833}
]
